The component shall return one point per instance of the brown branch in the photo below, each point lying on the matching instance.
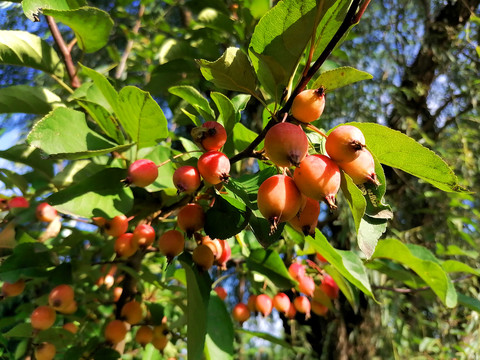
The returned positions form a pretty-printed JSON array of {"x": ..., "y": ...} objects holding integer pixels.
[
  {"x": 65, "y": 51},
  {"x": 123, "y": 61}
]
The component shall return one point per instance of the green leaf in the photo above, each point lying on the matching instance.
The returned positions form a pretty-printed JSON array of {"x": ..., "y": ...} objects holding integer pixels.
[
  {"x": 355, "y": 199},
  {"x": 28, "y": 100},
  {"x": 469, "y": 302},
  {"x": 226, "y": 218},
  {"x": 12, "y": 179},
  {"x": 102, "y": 194},
  {"x": 220, "y": 335},
  {"x": 265, "y": 336},
  {"x": 20, "y": 331},
  {"x": 141, "y": 117},
  {"x": 279, "y": 41},
  {"x": 261, "y": 230},
  {"x": 269, "y": 264},
  {"x": 369, "y": 232},
  {"x": 232, "y": 71},
  {"x": 347, "y": 263},
  {"x": 397, "y": 150},
  {"x": 64, "y": 133},
  {"x": 452, "y": 266},
  {"x": 430, "y": 271},
  {"x": 194, "y": 98},
  {"x": 30, "y": 156},
  {"x": 91, "y": 26},
  {"x": 33, "y": 8},
  {"x": 105, "y": 95},
  {"x": 174, "y": 72},
  {"x": 24, "y": 49},
  {"x": 227, "y": 111},
  {"x": 198, "y": 296},
  {"x": 340, "y": 77},
  {"x": 74, "y": 172}
]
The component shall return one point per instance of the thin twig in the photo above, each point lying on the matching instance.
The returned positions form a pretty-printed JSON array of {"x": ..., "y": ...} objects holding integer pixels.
[{"x": 65, "y": 51}]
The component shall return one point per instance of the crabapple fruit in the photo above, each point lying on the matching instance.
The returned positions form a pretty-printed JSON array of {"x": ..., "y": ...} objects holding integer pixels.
[
  {"x": 329, "y": 287},
  {"x": 286, "y": 144},
  {"x": 18, "y": 202},
  {"x": 141, "y": 173},
  {"x": 132, "y": 312},
  {"x": 211, "y": 135},
  {"x": 225, "y": 255},
  {"x": 308, "y": 106},
  {"x": 307, "y": 218},
  {"x": 321, "y": 258},
  {"x": 70, "y": 309},
  {"x": 70, "y": 327},
  {"x": 221, "y": 292},
  {"x": 125, "y": 246},
  {"x": 45, "y": 212},
  {"x": 186, "y": 179},
  {"x": 291, "y": 312},
  {"x": 278, "y": 199},
  {"x": 345, "y": 143},
  {"x": 115, "y": 331},
  {"x": 61, "y": 297},
  {"x": 13, "y": 289},
  {"x": 302, "y": 305},
  {"x": 251, "y": 303},
  {"x": 113, "y": 227},
  {"x": 203, "y": 256},
  {"x": 143, "y": 235},
  {"x": 144, "y": 335},
  {"x": 296, "y": 270},
  {"x": 306, "y": 285},
  {"x": 318, "y": 308},
  {"x": 281, "y": 302},
  {"x": 318, "y": 177},
  {"x": 160, "y": 338},
  {"x": 362, "y": 169},
  {"x": 264, "y": 304},
  {"x": 171, "y": 243},
  {"x": 45, "y": 351},
  {"x": 191, "y": 218},
  {"x": 214, "y": 167},
  {"x": 241, "y": 313},
  {"x": 43, "y": 317}
]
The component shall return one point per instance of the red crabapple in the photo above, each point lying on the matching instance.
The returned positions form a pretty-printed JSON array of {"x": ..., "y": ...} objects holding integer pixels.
[
  {"x": 226, "y": 254},
  {"x": 18, "y": 202},
  {"x": 362, "y": 169},
  {"x": 43, "y": 317},
  {"x": 278, "y": 199},
  {"x": 264, "y": 304},
  {"x": 318, "y": 177},
  {"x": 281, "y": 302},
  {"x": 221, "y": 292},
  {"x": 291, "y": 311},
  {"x": 186, "y": 179},
  {"x": 302, "y": 305},
  {"x": 240, "y": 313},
  {"x": 191, "y": 218},
  {"x": 143, "y": 235},
  {"x": 307, "y": 218},
  {"x": 114, "y": 227},
  {"x": 296, "y": 270},
  {"x": 329, "y": 287},
  {"x": 306, "y": 285},
  {"x": 345, "y": 143},
  {"x": 125, "y": 246},
  {"x": 141, "y": 173},
  {"x": 171, "y": 243},
  {"x": 45, "y": 212},
  {"x": 286, "y": 144},
  {"x": 214, "y": 167},
  {"x": 61, "y": 297},
  {"x": 70, "y": 327},
  {"x": 319, "y": 308},
  {"x": 211, "y": 135},
  {"x": 308, "y": 105}
]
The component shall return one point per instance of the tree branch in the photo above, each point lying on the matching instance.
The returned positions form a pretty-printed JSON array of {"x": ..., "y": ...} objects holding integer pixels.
[{"x": 65, "y": 51}]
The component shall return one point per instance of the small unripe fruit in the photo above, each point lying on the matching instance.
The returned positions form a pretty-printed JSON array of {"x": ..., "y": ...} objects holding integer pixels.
[
  {"x": 61, "y": 297},
  {"x": 211, "y": 135},
  {"x": 214, "y": 167},
  {"x": 296, "y": 270},
  {"x": 240, "y": 313},
  {"x": 186, "y": 179},
  {"x": 345, "y": 143},
  {"x": 144, "y": 335},
  {"x": 203, "y": 257},
  {"x": 221, "y": 292},
  {"x": 191, "y": 218},
  {"x": 278, "y": 199},
  {"x": 281, "y": 302},
  {"x": 306, "y": 285},
  {"x": 171, "y": 243},
  {"x": 125, "y": 246},
  {"x": 264, "y": 304},
  {"x": 13, "y": 289},
  {"x": 318, "y": 177},
  {"x": 45, "y": 351},
  {"x": 142, "y": 173},
  {"x": 45, "y": 212},
  {"x": 302, "y": 305},
  {"x": 116, "y": 226},
  {"x": 308, "y": 106},
  {"x": 115, "y": 331},
  {"x": 18, "y": 202},
  {"x": 143, "y": 235},
  {"x": 43, "y": 317},
  {"x": 70, "y": 327},
  {"x": 307, "y": 218},
  {"x": 286, "y": 144},
  {"x": 318, "y": 308},
  {"x": 329, "y": 287},
  {"x": 132, "y": 312},
  {"x": 362, "y": 169}
]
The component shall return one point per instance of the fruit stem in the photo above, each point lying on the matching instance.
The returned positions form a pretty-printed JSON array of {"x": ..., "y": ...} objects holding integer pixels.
[
  {"x": 177, "y": 156},
  {"x": 315, "y": 129}
]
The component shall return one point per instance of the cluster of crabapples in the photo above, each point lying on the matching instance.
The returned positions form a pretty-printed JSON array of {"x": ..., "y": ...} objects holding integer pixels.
[
  {"x": 43, "y": 211},
  {"x": 316, "y": 177},
  {"x": 310, "y": 297}
]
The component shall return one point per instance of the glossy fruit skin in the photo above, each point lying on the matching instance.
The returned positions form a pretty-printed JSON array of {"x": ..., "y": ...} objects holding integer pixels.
[
  {"x": 70, "y": 309},
  {"x": 221, "y": 292},
  {"x": 160, "y": 337},
  {"x": 281, "y": 302},
  {"x": 306, "y": 285},
  {"x": 71, "y": 327},
  {"x": 125, "y": 246},
  {"x": 115, "y": 331},
  {"x": 13, "y": 289},
  {"x": 45, "y": 351},
  {"x": 308, "y": 106},
  {"x": 307, "y": 218},
  {"x": 318, "y": 308},
  {"x": 278, "y": 199},
  {"x": 345, "y": 143},
  {"x": 61, "y": 297},
  {"x": 171, "y": 243},
  {"x": 302, "y": 305},
  {"x": 296, "y": 270},
  {"x": 43, "y": 317},
  {"x": 116, "y": 226},
  {"x": 187, "y": 179},
  {"x": 214, "y": 167},
  {"x": 318, "y": 177},
  {"x": 291, "y": 311},
  {"x": 191, "y": 218},
  {"x": 362, "y": 169},
  {"x": 144, "y": 335},
  {"x": 286, "y": 144},
  {"x": 18, "y": 202},
  {"x": 329, "y": 287},
  {"x": 143, "y": 235},
  {"x": 211, "y": 135},
  {"x": 142, "y": 173},
  {"x": 45, "y": 212},
  {"x": 132, "y": 312},
  {"x": 241, "y": 313},
  {"x": 203, "y": 256},
  {"x": 264, "y": 304}
]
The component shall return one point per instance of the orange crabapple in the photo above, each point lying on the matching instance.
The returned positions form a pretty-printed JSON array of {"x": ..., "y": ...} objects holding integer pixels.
[
  {"x": 211, "y": 135},
  {"x": 214, "y": 167},
  {"x": 345, "y": 143},
  {"x": 13, "y": 289},
  {"x": 308, "y": 105},
  {"x": 318, "y": 308},
  {"x": 187, "y": 179},
  {"x": 191, "y": 218},
  {"x": 251, "y": 302},
  {"x": 70, "y": 326},
  {"x": 264, "y": 304},
  {"x": 241, "y": 313},
  {"x": 144, "y": 335},
  {"x": 296, "y": 270},
  {"x": 45, "y": 351},
  {"x": 302, "y": 305},
  {"x": 362, "y": 169},
  {"x": 286, "y": 144},
  {"x": 329, "y": 287},
  {"x": 171, "y": 243},
  {"x": 143, "y": 235},
  {"x": 113, "y": 227},
  {"x": 306, "y": 285},
  {"x": 221, "y": 292},
  {"x": 307, "y": 218},
  {"x": 132, "y": 312},
  {"x": 45, "y": 212},
  {"x": 42, "y": 318},
  {"x": 61, "y": 297},
  {"x": 125, "y": 246},
  {"x": 203, "y": 257},
  {"x": 115, "y": 331},
  {"x": 281, "y": 302}
]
